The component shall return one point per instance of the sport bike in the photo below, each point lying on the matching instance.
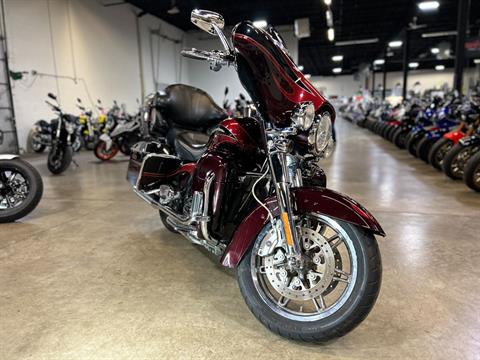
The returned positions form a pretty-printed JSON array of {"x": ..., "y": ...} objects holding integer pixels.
[
  {"x": 21, "y": 187},
  {"x": 306, "y": 258}
]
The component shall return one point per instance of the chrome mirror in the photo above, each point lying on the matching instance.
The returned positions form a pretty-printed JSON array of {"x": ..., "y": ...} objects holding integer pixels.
[{"x": 207, "y": 20}]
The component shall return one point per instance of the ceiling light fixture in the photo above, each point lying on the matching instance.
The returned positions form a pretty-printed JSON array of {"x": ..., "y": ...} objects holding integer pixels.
[
  {"x": 300, "y": 67},
  {"x": 428, "y": 5},
  {"x": 357, "y": 42},
  {"x": 331, "y": 34},
  {"x": 440, "y": 67},
  {"x": 337, "y": 70},
  {"x": 395, "y": 43},
  {"x": 413, "y": 65},
  {"x": 379, "y": 62},
  {"x": 307, "y": 76},
  {"x": 329, "y": 16},
  {"x": 327, "y": 2},
  {"x": 476, "y": 61},
  {"x": 337, "y": 58},
  {"x": 260, "y": 23},
  {"x": 434, "y": 50}
]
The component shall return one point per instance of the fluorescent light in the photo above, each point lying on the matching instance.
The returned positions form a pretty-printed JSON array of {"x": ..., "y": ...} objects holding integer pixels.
[
  {"x": 440, "y": 67},
  {"x": 428, "y": 5},
  {"x": 439, "y": 34},
  {"x": 307, "y": 76},
  {"x": 337, "y": 58},
  {"x": 413, "y": 65},
  {"x": 395, "y": 43},
  {"x": 300, "y": 67},
  {"x": 476, "y": 61},
  {"x": 327, "y": 2},
  {"x": 337, "y": 70},
  {"x": 356, "y": 42},
  {"x": 379, "y": 62},
  {"x": 329, "y": 16},
  {"x": 331, "y": 34},
  {"x": 434, "y": 50},
  {"x": 260, "y": 23}
]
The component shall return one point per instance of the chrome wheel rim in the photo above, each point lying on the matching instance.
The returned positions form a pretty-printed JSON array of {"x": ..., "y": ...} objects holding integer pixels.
[
  {"x": 440, "y": 155},
  {"x": 14, "y": 189},
  {"x": 458, "y": 163},
  {"x": 325, "y": 283}
]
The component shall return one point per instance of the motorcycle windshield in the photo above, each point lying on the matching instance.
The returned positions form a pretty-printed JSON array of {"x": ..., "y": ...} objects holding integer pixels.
[{"x": 270, "y": 76}]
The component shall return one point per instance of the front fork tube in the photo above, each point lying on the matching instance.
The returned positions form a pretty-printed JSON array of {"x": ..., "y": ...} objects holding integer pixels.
[{"x": 281, "y": 177}]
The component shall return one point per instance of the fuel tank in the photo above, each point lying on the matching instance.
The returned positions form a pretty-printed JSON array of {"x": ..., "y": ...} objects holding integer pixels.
[{"x": 270, "y": 76}]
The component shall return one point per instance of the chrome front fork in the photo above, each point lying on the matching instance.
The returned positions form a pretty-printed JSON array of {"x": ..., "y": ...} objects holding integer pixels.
[{"x": 285, "y": 175}]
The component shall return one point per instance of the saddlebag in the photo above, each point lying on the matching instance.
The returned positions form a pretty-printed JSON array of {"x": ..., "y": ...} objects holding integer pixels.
[{"x": 149, "y": 164}]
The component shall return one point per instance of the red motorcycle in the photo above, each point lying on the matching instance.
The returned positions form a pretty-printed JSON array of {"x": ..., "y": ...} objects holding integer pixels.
[{"x": 307, "y": 262}]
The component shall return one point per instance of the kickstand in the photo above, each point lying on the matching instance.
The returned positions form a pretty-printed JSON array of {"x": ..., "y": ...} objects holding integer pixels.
[{"x": 76, "y": 164}]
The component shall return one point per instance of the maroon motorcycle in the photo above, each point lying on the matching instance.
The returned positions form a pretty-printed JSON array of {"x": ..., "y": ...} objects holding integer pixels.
[{"x": 306, "y": 258}]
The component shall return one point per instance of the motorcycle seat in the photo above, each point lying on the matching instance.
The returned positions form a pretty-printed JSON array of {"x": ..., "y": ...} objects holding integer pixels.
[
  {"x": 190, "y": 107},
  {"x": 190, "y": 145}
]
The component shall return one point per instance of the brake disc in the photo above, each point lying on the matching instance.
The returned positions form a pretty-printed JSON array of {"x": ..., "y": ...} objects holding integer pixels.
[{"x": 313, "y": 279}]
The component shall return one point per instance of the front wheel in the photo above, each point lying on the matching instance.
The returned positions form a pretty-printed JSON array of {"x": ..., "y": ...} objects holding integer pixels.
[
  {"x": 455, "y": 160},
  {"x": 412, "y": 144},
  {"x": 324, "y": 295},
  {"x": 438, "y": 151},
  {"x": 102, "y": 153},
  {"x": 59, "y": 159},
  {"x": 21, "y": 189},
  {"x": 423, "y": 148},
  {"x": 471, "y": 175}
]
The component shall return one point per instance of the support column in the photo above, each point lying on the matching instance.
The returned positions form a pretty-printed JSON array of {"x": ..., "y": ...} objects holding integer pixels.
[
  {"x": 373, "y": 82},
  {"x": 462, "y": 25},
  {"x": 384, "y": 92},
  {"x": 406, "y": 59}
]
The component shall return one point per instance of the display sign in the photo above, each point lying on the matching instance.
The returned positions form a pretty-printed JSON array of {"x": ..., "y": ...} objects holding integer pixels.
[{"x": 472, "y": 47}]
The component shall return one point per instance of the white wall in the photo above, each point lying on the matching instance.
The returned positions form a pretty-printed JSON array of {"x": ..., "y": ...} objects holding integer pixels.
[
  {"x": 214, "y": 83},
  {"x": 346, "y": 85},
  {"x": 89, "y": 41}
]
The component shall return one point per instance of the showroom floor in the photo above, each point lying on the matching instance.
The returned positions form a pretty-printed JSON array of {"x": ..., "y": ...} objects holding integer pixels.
[{"x": 93, "y": 274}]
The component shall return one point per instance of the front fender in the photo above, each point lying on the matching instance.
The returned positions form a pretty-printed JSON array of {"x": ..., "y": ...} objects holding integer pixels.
[
  {"x": 8, "y": 157},
  {"x": 305, "y": 200},
  {"x": 454, "y": 136}
]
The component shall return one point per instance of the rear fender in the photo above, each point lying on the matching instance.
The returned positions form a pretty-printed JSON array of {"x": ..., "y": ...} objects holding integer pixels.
[{"x": 306, "y": 200}]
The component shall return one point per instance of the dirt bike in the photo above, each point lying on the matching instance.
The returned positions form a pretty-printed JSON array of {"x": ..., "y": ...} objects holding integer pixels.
[
  {"x": 306, "y": 258},
  {"x": 21, "y": 187}
]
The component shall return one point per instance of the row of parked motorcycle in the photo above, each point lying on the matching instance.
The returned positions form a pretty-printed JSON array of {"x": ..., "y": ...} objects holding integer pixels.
[
  {"x": 112, "y": 131},
  {"x": 443, "y": 132}
]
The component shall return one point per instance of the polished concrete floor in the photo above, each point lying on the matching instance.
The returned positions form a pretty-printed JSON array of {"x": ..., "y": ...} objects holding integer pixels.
[{"x": 93, "y": 274}]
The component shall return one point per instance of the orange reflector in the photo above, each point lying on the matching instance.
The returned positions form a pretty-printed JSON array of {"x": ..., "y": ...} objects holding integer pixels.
[{"x": 288, "y": 231}]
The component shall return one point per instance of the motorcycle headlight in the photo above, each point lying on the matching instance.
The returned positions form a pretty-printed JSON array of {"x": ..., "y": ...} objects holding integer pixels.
[
  {"x": 70, "y": 128},
  {"x": 303, "y": 115},
  {"x": 321, "y": 134}
]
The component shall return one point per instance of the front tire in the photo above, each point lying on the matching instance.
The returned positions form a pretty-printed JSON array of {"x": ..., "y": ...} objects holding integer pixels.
[
  {"x": 59, "y": 160},
  {"x": 412, "y": 144},
  {"x": 423, "y": 148},
  {"x": 9, "y": 209},
  {"x": 327, "y": 320},
  {"x": 438, "y": 151},
  {"x": 102, "y": 153},
  {"x": 471, "y": 175},
  {"x": 456, "y": 159}
]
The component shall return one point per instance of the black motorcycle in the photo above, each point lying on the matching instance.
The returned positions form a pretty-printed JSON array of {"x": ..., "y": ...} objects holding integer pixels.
[
  {"x": 21, "y": 187},
  {"x": 63, "y": 136},
  {"x": 40, "y": 136},
  {"x": 471, "y": 175}
]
